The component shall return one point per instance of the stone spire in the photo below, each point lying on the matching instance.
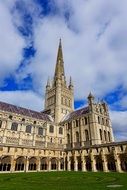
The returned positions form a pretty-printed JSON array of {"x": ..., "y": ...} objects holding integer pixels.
[
  {"x": 59, "y": 70},
  {"x": 70, "y": 83},
  {"x": 48, "y": 83}
]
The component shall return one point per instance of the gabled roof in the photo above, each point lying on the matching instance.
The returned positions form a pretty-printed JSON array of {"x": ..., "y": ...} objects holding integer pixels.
[
  {"x": 23, "y": 111},
  {"x": 76, "y": 114}
]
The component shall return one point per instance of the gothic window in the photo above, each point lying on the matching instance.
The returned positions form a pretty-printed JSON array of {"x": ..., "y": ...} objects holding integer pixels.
[
  {"x": 77, "y": 136},
  {"x": 51, "y": 129},
  {"x": 28, "y": 128},
  {"x": 77, "y": 123},
  {"x": 107, "y": 122},
  {"x": 100, "y": 134},
  {"x": 51, "y": 140},
  {"x": 14, "y": 126},
  {"x": 109, "y": 137},
  {"x": 60, "y": 141},
  {"x": 102, "y": 121},
  {"x": 60, "y": 130},
  {"x": 86, "y": 135},
  {"x": 0, "y": 123},
  {"x": 86, "y": 121},
  {"x": 105, "y": 135},
  {"x": 98, "y": 119},
  {"x": 40, "y": 131},
  {"x": 68, "y": 139},
  {"x": 100, "y": 110}
]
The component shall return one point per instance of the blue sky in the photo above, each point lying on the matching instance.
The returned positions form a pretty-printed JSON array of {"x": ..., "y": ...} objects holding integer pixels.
[{"x": 94, "y": 42}]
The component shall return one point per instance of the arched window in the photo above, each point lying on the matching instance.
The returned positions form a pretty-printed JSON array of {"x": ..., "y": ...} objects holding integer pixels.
[
  {"x": 14, "y": 126},
  {"x": 60, "y": 130},
  {"x": 28, "y": 128},
  {"x": 77, "y": 123},
  {"x": 100, "y": 134},
  {"x": 105, "y": 135},
  {"x": 68, "y": 139},
  {"x": 102, "y": 121},
  {"x": 0, "y": 123},
  {"x": 107, "y": 122},
  {"x": 77, "y": 136},
  {"x": 109, "y": 137},
  {"x": 40, "y": 131},
  {"x": 51, "y": 129},
  {"x": 86, "y": 135},
  {"x": 86, "y": 122},
  {"x": 98, "y": 119}
]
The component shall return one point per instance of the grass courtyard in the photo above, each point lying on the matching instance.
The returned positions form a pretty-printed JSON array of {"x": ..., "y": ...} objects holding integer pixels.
[{"x": 63, "y": 181}]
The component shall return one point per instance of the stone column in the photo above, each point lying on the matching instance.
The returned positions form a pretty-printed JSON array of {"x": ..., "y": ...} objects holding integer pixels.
[
  {"x": 64, "y": 163},
  {"x": 38, "y": 165},
  {"x": 83, "y": 162},
  {"x": 93, "y": 163},
  {"x": 117, "y": 162},
  {"x": 49, "y": 165},
  {"x": 104, "y": 162},
  {"x": 75, "y": 163},
  {"x": 26, "y": 164},
  {"x": 68, "y": 163},
  {"x": 13, "y": 162}
]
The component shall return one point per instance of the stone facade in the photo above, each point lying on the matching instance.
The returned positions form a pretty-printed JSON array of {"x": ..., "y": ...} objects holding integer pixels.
[{"x": 59, "y": 138}]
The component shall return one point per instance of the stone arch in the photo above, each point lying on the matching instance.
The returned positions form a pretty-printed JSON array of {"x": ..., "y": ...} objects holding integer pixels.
[
  {"x": 123, "y": 160},
  {"x": 72, "y": 162},
  {"x": 5, "y": 163},
  {"x": 111, "y": 163},
  {"x": 79, "y": 163},
  {"x": 32, "y": 163},
  {"x": 54, "y": 164},
  {"x": 99, "y": 163},
  {"x": 44, "y": 164},
  {"x": 19, "y": 166},
  {"x": 62, "y": 164},
  {"x": 88, "y": 163}
]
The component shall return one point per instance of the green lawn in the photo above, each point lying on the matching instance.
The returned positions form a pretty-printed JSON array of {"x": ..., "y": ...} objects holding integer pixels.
[{"x": 62, "y": 181}]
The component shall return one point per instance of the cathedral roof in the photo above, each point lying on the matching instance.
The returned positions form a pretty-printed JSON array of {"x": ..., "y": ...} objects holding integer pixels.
[
  {"x": 23, "y": 111},
  {"x": 76, "y": 114}
]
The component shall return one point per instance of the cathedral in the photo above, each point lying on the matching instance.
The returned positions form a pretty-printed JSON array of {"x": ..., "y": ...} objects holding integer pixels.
[{"x": 59, "y": 138}]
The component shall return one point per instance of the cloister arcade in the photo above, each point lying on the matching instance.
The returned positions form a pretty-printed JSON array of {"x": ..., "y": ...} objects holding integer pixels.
[{"x": 79, "y": 163}]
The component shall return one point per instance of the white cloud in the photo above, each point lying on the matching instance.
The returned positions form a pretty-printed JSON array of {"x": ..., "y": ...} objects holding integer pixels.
[
  {"x": 11, "y": 44},
  {"x": 119, "y": 123},
  {"x": 27, "y": 99},
  {"x": 94, "y": 45}
]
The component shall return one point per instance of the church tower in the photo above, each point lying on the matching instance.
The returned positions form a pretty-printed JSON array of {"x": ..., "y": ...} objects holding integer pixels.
[{"x": 59, "y": 98}]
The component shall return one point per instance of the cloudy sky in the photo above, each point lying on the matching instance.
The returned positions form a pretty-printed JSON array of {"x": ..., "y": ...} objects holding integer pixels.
[{"x": 94, "y": 38}]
